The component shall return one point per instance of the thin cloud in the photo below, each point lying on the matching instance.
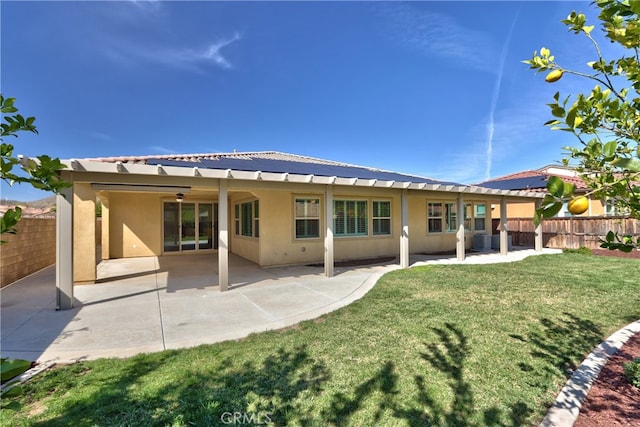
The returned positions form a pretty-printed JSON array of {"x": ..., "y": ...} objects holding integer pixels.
[
  {"x": 494, "y": 100},
  {"x": 129, "y": 54},
  {"x": 211, "y": 54},
  {"x": 438, "y": 34},
  {"x": 142, "y": 32}
]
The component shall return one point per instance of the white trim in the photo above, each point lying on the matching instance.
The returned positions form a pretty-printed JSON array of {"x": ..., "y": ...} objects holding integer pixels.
[
  {"x": 140, "y": 188},
  {"x": 404, "y": 229},
  {"x": 223, "y": 235},
  {"x": 328, "y": 238},
  {"x": 178, "y": 171}
]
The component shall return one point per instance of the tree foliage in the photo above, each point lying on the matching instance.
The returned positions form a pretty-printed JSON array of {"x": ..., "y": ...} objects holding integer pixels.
[
  {"x": 40, "y": 173},
  {"x": 606, "y": 121}
]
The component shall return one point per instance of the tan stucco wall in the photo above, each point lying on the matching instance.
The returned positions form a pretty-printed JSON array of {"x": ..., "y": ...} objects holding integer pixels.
[
  {"x": 526, "y": 210},
  {"x": 278, "y": 245},
  {"x": 246, "y": 247},
  {"x": 135, "y": 224},
  {"x": 421, "y": 241},
  {"x": 132, "y": 223},
  {"x": 84, "y": 236},
  {"x": 105, "y": 239}
]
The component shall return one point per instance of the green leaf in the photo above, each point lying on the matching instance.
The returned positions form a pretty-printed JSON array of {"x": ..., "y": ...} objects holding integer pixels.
[
  {"x": 537, "y": 217},
  {"x": 555, "y": 186},
  {"x": 10, "y": 368},
  {"x": 558, "y": 111},
  {"x": 632, "y": 165},
  {"x": 551, "y": 211},
  {"x": 9, "y": 220},
  {"x": 568, "y": 190},
  {"x": 609, "y": 149}
]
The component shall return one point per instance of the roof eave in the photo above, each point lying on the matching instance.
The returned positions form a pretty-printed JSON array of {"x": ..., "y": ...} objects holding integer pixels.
[{"x": 77, "y": 165}]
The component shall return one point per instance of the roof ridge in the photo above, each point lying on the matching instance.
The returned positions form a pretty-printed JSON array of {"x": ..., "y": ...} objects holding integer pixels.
[
  {"x": 512, "y": 175},
  {"x": 177, "y": 155}
]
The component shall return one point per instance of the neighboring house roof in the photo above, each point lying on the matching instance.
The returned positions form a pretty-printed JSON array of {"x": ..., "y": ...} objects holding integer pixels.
[{"x": 532, "y": 180}]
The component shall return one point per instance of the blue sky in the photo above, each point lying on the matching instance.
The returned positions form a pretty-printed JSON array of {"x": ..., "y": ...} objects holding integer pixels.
[{"x": 429, "y": 88}]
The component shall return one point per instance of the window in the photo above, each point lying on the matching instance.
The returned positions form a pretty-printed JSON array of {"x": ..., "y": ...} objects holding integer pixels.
[
  {"x": 468, "y": 216},
  {"x": 307, "y": 218},
  {"x": 381, "y": 218},
  {"x": 256, "y": 219},
  {"x": 434, "y": 217},
  {"x": 480, "y": 215},
  {"x": 450, "y": 216},
  {"x": 611, "y": 208},
  {"x": 246, "y": 218},
  {"x": 350, "y": 217},
  {"x": 437, "y": 213},
  {"x": 236, "y": 218},
  {"x": 246, "y": 214}
]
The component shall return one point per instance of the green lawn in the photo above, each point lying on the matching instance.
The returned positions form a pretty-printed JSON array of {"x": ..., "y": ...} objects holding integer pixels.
[{"x": 459, "y": 345}]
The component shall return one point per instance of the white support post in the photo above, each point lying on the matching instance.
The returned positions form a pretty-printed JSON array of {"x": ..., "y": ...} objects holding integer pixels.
[
  {"x": 64, "y": 250},
  {"x": 460, "y": 243},
  {"x": 223, "y": 235},
  {"x": 404, "y": 235},
  {"x": 538, "y": 242},
  {"x": 328, "y": 236},
  {"x": 504, "y": 235}
]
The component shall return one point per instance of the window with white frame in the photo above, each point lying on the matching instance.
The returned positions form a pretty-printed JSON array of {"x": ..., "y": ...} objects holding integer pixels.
[
  {"x": 468, "y": 216},
  {"x": 256, "y": 218},
  {"x": 247, "y": 219},
  {"x": 307, "y": 212},
  {"x": 612, "y": 208},
  {"x": 350, "y": 217},
  {"x": 451, "y": 216},
  {"x": 443, "y": 216},
  {"x": 434, "y": 217},
  {"x": 381, "y": 218},
  {"x": 479, "y": 217},
  {"x": 236, "y": 219}
]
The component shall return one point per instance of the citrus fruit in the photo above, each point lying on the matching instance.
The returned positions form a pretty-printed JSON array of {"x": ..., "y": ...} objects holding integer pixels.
[
  {"x": 578, "y": 205},
  {"x": 553, "y": 76}
]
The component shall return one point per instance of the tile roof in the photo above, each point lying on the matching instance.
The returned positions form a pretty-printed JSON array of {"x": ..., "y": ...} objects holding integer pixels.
[{"x": 533, "y": 180}]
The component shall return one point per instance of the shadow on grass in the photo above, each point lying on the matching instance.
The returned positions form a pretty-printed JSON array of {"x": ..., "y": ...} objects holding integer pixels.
[
  {"x": 447, "y": 355},
  {"x": 561, "y": 344},
  {"x": 286, "y": 387},
  {"x": 250, "y": 393}
]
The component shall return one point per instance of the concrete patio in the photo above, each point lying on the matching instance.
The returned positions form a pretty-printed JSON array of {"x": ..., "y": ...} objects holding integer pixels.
[{"x": 157, "y": 303}]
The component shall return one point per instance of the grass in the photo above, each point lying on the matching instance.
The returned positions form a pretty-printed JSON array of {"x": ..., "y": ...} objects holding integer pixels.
[{"x": 460, "y": 345}]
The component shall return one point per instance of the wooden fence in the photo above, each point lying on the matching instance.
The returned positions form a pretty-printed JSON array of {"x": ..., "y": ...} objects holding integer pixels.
[{"x": 571, "y": 232}]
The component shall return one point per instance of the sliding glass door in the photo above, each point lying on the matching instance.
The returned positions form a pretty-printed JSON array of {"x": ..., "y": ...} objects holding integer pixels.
[{"x": 189, "y": 226}]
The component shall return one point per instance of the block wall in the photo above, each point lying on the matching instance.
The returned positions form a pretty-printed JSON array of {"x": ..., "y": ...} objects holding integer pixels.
[{"x": 32, "y": 249}]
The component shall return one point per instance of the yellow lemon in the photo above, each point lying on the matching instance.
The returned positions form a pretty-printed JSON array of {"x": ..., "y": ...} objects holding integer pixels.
[
  {"x": 553, "y": 76},
  {"x": 578, "y": 205}
]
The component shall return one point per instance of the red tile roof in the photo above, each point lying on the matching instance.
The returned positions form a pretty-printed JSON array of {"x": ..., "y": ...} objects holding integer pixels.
[
  {"x": 274, "y": 155},
  {"x": 576, "y": 180}
]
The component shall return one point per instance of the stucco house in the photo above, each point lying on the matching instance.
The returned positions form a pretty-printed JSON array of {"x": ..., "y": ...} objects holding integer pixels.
[
  {"x": 271, "y": 208},
  {"x": 536, "y": 180}
]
